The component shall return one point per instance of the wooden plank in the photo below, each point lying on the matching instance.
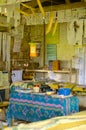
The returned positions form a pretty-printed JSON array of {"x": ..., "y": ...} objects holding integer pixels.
[
  {"x": 67, "y": 1},
  {"x": 60, "y": 7}
]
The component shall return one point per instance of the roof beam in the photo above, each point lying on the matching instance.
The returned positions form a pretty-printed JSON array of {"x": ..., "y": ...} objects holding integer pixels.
[
  {"x": 57, "y": 7},
  {"x": 33, "y": 3},
  {"x": 66, "y": 6},
  {"x": 83, "y": 0},
  {"x": 67, "y": 1}
]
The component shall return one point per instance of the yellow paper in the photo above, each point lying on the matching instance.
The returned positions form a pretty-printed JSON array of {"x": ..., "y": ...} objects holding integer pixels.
[{"x": 33, "y": 50}]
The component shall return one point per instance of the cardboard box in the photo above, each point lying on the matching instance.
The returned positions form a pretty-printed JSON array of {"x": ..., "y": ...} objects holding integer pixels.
[{"x": 54, "y": 65}]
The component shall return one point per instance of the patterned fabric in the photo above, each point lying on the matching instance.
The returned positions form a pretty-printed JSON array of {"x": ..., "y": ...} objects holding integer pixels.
[
  {"x": 35, "y": 107},
  {"x": 21, "y": 85}
]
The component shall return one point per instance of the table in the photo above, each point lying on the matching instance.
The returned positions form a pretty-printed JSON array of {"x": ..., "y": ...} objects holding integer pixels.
[{"x": 35, "y": 107}]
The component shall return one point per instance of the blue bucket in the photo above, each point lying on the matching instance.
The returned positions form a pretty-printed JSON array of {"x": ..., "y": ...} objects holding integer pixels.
[{"x": 64, "y": 91}]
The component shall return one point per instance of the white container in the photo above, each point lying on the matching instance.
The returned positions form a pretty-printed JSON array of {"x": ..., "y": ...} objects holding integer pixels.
[{"x": 36, "y": 89}]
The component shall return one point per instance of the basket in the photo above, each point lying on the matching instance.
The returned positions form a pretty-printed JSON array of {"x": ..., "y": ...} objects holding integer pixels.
[{"x": 64, "y": 91}]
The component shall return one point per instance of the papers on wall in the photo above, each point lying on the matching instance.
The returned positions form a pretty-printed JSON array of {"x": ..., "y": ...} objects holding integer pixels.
[
  {"x": 75, "y": 62},
  {"x": 78, "y": 62},
  {"x": 68, "y": 15},
  {"x": 17, "y": 44},
  {"x": 81, "y": 74},
  {"x": 74, "y": 32},
  {"x": 61, "y": 15},
  {"x": 4, "y": 78},
  {"x": 13, "y": 16},
  {"x": 10, "y": 10},
  {"x": 19, "y": 30},
  {"x": 17, "y": 15},
  {"x": 16, "y": 75},
  {"x": 74, "y": 13},
  {"x": 81, "y": 12}
]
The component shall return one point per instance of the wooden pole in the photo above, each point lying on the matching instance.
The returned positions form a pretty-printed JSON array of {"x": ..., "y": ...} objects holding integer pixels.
[{"x": 44, "y": 55}]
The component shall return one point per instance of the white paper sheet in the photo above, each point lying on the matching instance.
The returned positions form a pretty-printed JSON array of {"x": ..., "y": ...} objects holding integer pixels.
[
  {"x": 17, "y": 44},
  {"x": 16, "y": 75}
]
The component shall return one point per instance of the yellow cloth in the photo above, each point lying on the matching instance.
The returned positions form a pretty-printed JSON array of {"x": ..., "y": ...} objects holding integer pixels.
[
  {"x": 66, "y": 124},
  {"x": 75, "y": 121}
]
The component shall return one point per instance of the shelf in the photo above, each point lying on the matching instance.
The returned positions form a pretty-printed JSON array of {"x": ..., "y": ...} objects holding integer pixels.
[
  {"x": 20, "y": 59},
  {"x": 46, "y": 71},
  {"x": 62, "y": 72},
  {"x": 6, "y": 87},
  {"x": 3, "y": 28}
]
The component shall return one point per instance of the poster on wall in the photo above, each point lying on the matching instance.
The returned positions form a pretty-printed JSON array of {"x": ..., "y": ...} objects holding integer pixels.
[
  {"x": 16, "y": 75},
  {"x": 33, "y": 50}
]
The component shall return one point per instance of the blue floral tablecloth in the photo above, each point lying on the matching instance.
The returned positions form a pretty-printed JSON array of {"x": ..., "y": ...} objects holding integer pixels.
[{"x": 35, "y": 107}]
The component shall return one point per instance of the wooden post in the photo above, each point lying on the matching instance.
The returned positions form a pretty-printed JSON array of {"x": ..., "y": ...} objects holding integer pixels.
[{"x": 44, "y": 43}]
